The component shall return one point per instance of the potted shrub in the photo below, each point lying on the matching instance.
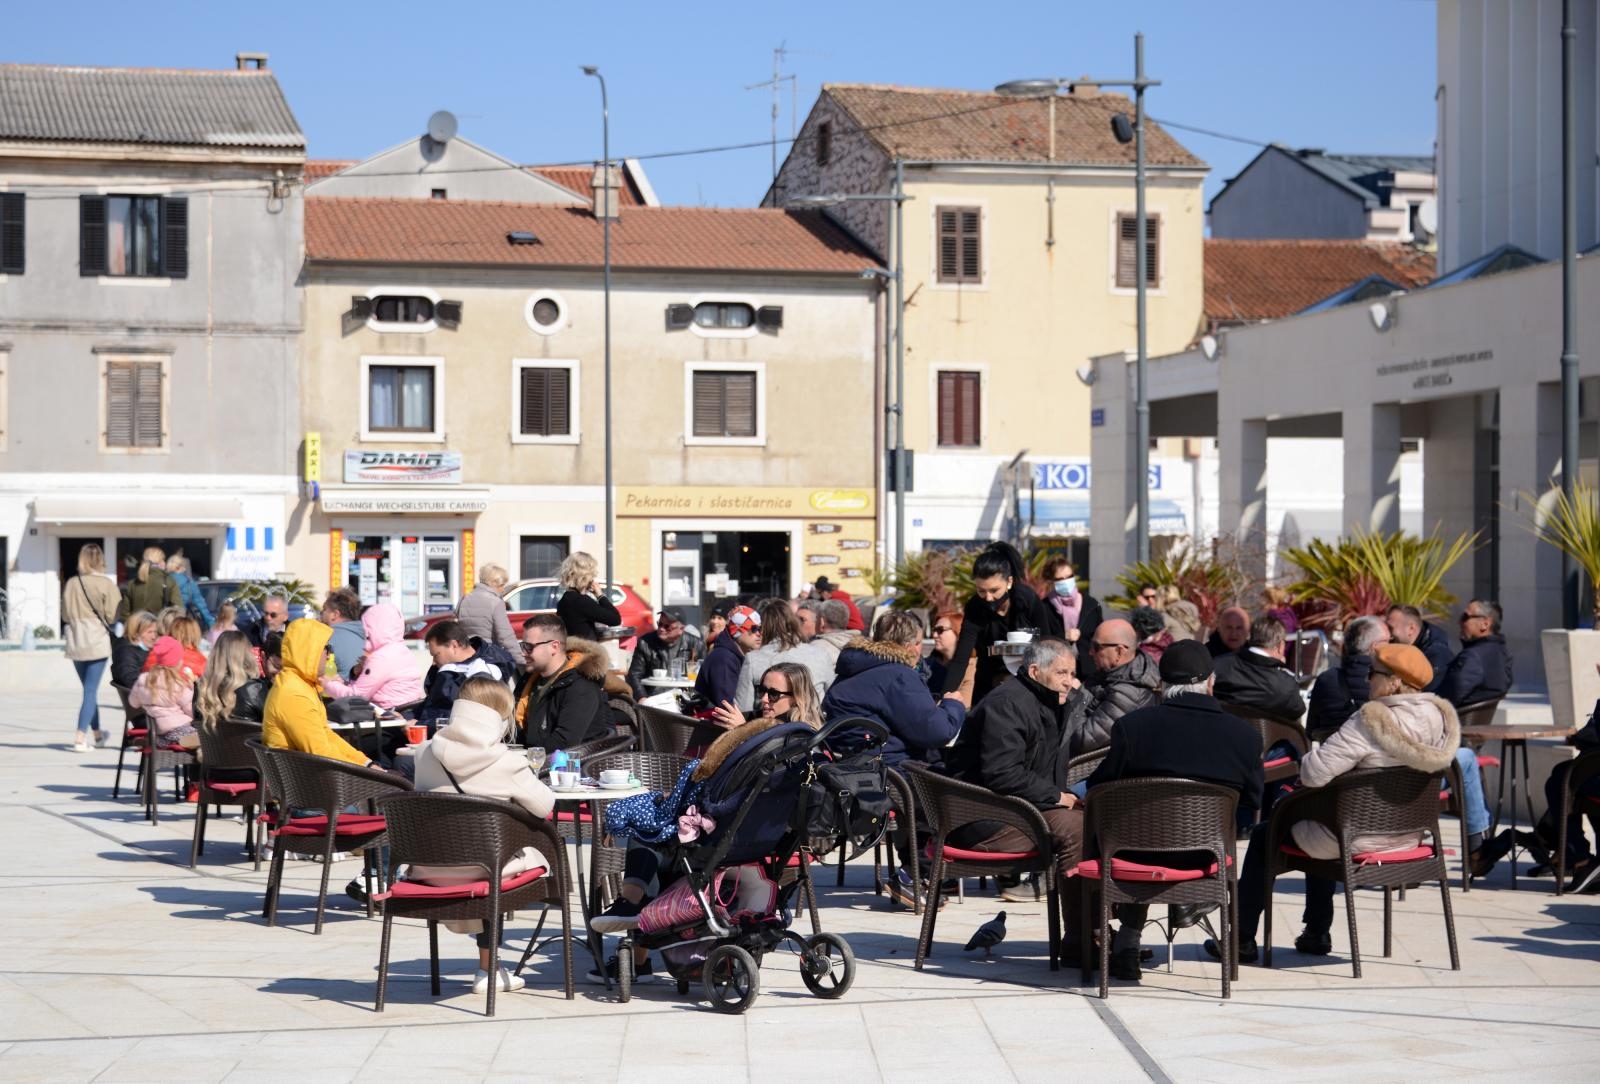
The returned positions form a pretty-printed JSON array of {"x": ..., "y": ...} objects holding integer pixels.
[{"x": 1570, "y": 655}]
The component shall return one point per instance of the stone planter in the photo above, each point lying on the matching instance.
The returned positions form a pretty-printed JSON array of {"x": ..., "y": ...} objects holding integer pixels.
[{"x": 1570, "y": 656}]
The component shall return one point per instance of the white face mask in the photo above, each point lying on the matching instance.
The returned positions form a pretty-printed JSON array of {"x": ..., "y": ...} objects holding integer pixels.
[{"x": 1066, "y": 588}]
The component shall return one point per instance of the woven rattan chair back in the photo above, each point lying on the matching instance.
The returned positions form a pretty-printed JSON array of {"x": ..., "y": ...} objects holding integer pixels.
[
  {"x": 666, "y": 732},
  {"x": 313, "y": 782},
  {"x": 655, "y": 771},
  {"x": 1082, "y": 766},
  {"x": 1481, "y": 713}
]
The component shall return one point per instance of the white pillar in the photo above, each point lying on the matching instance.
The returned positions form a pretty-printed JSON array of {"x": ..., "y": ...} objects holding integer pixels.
[
  {"x": 1450, "y": 481},
  {"x": 1530, "y": 571},
  {"x": 1112, "y": 518},
  {"x": 1242, "y": 445},
  {"x": 1372, "y": 467}
]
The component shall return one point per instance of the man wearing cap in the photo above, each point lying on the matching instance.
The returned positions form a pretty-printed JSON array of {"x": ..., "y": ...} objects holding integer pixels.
[
  {"x": 719, "y": 674},
  {"x": 670, "y": 642},
  {"x": 1186, "y": 736},
  {"x": 1398, "y": 726},
  {"x": 825, "y": 589}
]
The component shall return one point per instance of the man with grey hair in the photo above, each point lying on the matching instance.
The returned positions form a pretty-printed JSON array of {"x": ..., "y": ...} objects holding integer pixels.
[
  {"x": 806, "y": 612},
  {"x": 833, "y": 625},
  {"x": 1340, "y": 690},
  {"x": 1255, "y": 679},
  {"x": 274, "y": 617},
  {"x": 1186, "y": 736}
]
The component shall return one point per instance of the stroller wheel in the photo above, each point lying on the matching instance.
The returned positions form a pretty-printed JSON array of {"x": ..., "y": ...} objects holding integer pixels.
[
  {"x": 625, "y": 970},
  {"x": 828, "y": 967},
  {"x": 731, "y": 979}
]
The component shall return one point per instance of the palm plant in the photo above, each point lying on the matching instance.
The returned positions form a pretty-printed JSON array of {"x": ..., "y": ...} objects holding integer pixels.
[
  {"x": 1368, "y": 572},
  {"x": 1572, "y": 526},
  {"x": 1210, "y": 583}
]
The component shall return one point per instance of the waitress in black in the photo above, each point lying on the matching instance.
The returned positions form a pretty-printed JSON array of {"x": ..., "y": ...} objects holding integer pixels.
[
  {"x": 1001, "y": 602},
  {"x": 584, "y": 609}
]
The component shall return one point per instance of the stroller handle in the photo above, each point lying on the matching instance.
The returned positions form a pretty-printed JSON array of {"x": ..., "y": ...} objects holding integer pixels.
[{"x": 876, "y": 731}]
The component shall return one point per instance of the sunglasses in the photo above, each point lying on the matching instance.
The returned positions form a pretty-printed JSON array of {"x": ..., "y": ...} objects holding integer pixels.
[
  {"x": 940, "y": 630},
  {"x": 764, "y": 692},
  {"x": 527, "y": 649},
  {"x": 1470, "y": 616}
]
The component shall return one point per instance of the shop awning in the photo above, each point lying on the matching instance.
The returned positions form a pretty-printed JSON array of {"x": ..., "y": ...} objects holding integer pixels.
[
  {"x": 155, "y": 509},
  {"x": 1069, "y": 516}
]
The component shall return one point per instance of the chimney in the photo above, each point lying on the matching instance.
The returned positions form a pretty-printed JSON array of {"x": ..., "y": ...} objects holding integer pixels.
[
  {"x": 604, "y": 188},
  {"x": 1085, "y": 89},
  {"x": 246, "y": 62}
]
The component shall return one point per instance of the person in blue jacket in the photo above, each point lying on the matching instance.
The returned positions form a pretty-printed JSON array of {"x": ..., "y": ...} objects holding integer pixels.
[
  {"x": 719, "y": 673},
  {"x": 877, "y": 679},
  {"x": 193, "y": 601}
]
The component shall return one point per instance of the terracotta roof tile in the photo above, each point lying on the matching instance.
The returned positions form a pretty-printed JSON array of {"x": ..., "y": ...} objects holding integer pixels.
[
  {"x": 473, "y": 233},
  {"x": 575, "y": 179},
  {"x": 966, "y": 125},
  {"x": 1248, "y": 281},
  {"x": 318, "y": 168}
]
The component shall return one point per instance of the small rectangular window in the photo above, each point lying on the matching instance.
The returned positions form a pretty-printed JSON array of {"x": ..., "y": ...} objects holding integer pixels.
[
  {"x": 400, "y": 398},
  {"x": 960, "y": 244},
  {"x": 133, "y": 404},
  {"x": 438, "y": 193},
  {"x": 546, "y": 402},
  {"x": 133, "y": 236},
  {"x": 1128, "y": 255},
  {"x": 724, "y": 404},
  {"x": 824, "y": 142},
  {"x": 960, "y": 409},
  {"x": 12, "y": 223}
]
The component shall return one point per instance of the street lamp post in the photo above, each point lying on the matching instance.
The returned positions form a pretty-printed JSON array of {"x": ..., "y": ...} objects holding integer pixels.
[
  {"x": 1125, "y": 133},
  {"x": 1569, "y": 304},
  {"x": 897, "y": 197},
  {"x": 605, "y": 226}
]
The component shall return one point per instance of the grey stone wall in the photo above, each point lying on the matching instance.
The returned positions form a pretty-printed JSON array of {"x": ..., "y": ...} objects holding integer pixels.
[{"x": 856, "y": 166}]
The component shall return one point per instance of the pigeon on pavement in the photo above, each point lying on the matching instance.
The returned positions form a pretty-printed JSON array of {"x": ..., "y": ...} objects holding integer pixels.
[{"x": 988, "y": 935}]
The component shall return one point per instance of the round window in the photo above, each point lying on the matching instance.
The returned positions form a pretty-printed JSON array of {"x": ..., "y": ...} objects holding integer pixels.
[{"x": 546, "y": 312}]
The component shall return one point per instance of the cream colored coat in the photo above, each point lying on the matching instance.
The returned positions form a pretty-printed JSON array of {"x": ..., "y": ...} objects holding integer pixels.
[
  {"x": 1414, "y": 730},
  {"x": 88, "y": 605}
]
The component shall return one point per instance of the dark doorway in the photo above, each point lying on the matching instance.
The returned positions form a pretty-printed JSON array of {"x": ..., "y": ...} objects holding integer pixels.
[
  {"x": 542, "y": 555},
  {"x": 131, "y": 550}
]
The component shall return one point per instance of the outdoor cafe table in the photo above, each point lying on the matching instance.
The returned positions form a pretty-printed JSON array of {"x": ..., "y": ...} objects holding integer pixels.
[
  {"x": 1513, "y": 750},
  {"x": 667, "y": 683}
]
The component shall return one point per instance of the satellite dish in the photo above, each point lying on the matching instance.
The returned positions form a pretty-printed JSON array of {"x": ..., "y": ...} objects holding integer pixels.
[
  {"x": 1428, "y": 216},
  {"x": 442, "y": 126}
]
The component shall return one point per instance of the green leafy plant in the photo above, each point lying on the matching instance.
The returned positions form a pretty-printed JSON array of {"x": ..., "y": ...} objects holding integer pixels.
[
  {"x": 1572, "y": 526},
  {"x": 1367, "y": 572},
  {"x": 255, "y": 592},
  {"x": 44, "y": 632},
  {"x": 1206, "y": 578}
]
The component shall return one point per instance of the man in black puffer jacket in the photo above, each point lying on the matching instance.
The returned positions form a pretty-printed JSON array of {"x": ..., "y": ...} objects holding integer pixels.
[
  {"x": 1340, "y": 690},
  {"x": 1124, "y": 680},
  {"x": 1406, "y": 626},
  {"x": 1254, "y": 677}
]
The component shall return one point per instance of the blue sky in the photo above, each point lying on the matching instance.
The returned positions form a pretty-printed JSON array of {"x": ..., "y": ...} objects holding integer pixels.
[{"x": 1357, "y": 75}]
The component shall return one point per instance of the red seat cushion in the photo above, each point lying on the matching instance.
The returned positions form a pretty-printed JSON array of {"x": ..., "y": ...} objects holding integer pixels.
[
  {"x": 1277, "y": 762},
  {"x": 234, "y": 789},
  {"x": 1124, "y": 870},
  {"x": 137, "y": 732},
  {"x": 566, "y": 815},
  {"x": 1488, "y": 762},
  {"x": 472, "y": 890},
  {"x": 1369, "y": 858},
  {"x": 796, "y": 859},
  {"x": 959, "y": 854},
  {"x": 351, "y": 824}
]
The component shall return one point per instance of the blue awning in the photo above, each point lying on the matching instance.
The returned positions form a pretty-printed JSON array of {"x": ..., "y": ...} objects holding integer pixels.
[{"x": 1055, "y": 516}]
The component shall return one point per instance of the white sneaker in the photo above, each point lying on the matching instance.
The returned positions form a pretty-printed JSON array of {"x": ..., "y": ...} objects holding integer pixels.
[
  {"x": 80, "y": 746},
  {"x": 508, "y": 982}
]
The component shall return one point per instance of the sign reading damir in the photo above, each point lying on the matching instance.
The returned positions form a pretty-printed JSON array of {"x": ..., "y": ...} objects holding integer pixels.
[{"x": 380, "y": 467}]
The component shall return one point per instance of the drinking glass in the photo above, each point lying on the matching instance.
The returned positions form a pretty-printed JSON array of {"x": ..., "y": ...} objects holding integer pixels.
[
  {"x": 675, "y": 669},
  {"x": 536, "y": 758}
]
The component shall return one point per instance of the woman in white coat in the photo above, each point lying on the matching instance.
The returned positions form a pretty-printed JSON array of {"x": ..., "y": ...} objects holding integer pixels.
[{"x": 466, "y": 757}]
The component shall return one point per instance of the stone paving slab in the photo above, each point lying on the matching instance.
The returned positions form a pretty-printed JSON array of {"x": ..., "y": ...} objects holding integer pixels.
[{"x": 119, "y": 963}]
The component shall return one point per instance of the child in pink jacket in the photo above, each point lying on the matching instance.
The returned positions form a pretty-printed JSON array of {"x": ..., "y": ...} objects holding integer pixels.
[{"x": 387, "y": 675}]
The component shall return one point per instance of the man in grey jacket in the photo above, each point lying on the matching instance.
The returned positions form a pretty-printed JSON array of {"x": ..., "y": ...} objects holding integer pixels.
[
  {"x": 1124, "y": 680},
  {"x": 833, "y": 625}
]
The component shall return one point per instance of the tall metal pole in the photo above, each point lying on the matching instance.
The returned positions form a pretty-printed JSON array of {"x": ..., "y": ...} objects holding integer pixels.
[
  {"x": 605, "y": 226},
  {"x": 1570, "y": 608},
  {"x": 1141, "y": 407},
  {"x": 899, "y": 362}
]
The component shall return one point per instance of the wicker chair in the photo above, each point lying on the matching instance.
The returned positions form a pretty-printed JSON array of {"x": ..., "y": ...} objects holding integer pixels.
[
  {"x": 1369, "y": 801},
  {"x": 1082, "y": 766},
  {"x": 624, "y": 707},
  {"x": 903, "y": 808},
  {"x": 302, "y": 781},
  {"x": 434, "y": 829},
  {"x": 1272, "y": 732},
  {"x": 1481, "y": 713},
  {"x": 1452, "y": 806},
  {"x": 228, "y": 775},
  {"x": 1584, "y": 768},
  {"x": 155, "y": 756},
  {"x": 1159, "y": 816},
  {"x": 135, "y": 727},
  {"x": 655, "y": 771},
  {"x": 665, "y": 732},
  {"x": 950, "y": 804}
]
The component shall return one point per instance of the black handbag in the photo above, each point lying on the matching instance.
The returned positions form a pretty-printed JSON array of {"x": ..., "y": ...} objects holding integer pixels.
[
  {"x": 351, "y": 709},
  {"x": 848, "y": 799}
]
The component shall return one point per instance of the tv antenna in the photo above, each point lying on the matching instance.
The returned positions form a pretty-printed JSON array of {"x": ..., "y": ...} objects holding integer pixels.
[{"x": 776, "y": 83}]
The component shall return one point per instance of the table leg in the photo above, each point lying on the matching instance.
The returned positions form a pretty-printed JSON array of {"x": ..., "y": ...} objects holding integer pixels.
[
  {"x": 1499, "y": 792},
  {"x": 595, "y": 942},
  {"x": 1510, "y": 751}
]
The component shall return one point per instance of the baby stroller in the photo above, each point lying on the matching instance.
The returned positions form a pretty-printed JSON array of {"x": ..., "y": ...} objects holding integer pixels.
[{"x": 770, "y": 799}]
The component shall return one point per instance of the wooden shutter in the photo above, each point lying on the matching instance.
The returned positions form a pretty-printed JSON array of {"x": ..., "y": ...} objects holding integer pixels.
[
  {"x": 119, "y": 404},
  {"x": 447, "y": 314},
  {"x": 960, "y": 409},
  {"x": 824, "y": 142},
  {"x": 960, "y": 244},
  {"x": 769, "y": 317},
  {"x": 175, "y": 237},
  {"x": 92, "y": 236},
  {"x": 147, "y": 405},
  {"x": 1127, "y": 255},
  {"x": 725, "y": 405},
  {"x": 546, "y": 398},
  {"x": 11, "y": 233},
  {"x": 679, "y": 317}
]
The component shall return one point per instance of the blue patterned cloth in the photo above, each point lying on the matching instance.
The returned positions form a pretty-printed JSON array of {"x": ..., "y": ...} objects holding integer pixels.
[{"x": 653, "y": 818}]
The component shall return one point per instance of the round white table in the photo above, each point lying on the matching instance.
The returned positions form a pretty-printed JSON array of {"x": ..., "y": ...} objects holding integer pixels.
[
  {"x": 667, "y": 683},
  {"x": 383, "y": 721}
]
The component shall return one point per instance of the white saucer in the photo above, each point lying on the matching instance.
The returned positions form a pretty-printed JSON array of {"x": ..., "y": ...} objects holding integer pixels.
[{"x": 618, "y": 786}]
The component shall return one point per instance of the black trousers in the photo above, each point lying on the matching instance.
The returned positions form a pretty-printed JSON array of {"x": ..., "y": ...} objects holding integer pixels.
[{"x": 1318, "y": 914}]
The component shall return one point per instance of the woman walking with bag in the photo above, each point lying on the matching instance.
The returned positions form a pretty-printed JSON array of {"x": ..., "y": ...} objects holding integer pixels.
[{"x": 88, "y": 605}]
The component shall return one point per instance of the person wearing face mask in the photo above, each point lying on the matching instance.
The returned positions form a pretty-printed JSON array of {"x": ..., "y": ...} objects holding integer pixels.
[
  {"x": 1001, "y": 602},
  {"x": 1079, "y": 612}
]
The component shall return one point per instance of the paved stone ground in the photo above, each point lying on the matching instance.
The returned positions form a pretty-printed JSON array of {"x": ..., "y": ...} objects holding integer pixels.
[{"x": 119, "y": 963}]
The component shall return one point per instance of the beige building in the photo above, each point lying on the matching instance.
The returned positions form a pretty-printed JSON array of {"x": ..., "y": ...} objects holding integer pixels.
[
  {"x": 452, "y": 386},
  {"x": 1019, "y": 264}
]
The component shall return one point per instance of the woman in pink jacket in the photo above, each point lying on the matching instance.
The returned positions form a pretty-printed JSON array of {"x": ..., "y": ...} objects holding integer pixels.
[{"x": 387, "y": 675}]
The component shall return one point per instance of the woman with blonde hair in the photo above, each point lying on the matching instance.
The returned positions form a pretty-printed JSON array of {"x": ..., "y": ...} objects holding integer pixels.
[
  {"x": 89, "y": 608},
  {"x": 466, "y": 756},
  {"x": 151, "y": 588},
  {"x": 186, "y": 630},
  {"x": 128, "y": 654},
  {"x": 785, "y": 693},
  {"x": 233, "y": 687},
  {"x": 585, "y": 607},
  {"x": 226, "y": 613},
  {"x": 167, "y": 617},
  {"x": 482, "y": 610}
]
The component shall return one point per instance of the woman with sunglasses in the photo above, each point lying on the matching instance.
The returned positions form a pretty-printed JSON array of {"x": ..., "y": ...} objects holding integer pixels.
[
  {"x": 946, "y": 633},
  {"x": 785, "y": 693}
]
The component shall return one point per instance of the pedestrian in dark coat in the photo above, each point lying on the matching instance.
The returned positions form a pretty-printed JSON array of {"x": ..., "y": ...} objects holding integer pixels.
[
  {"x": 877, "y": 679},
  {"x": 1002, "y": 602},
  {"x": 1340, "y": 690}
]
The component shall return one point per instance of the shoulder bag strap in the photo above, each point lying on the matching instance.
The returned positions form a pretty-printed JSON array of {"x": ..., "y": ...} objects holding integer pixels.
[
  {"x": 448, "y": 774},
  {"x": 94, "y": 609}
]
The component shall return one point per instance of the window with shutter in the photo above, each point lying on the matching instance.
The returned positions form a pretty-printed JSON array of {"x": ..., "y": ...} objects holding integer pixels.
[
  {"x": 725, "y": 404},
  {"x": 546, "y": 402},
  {"x": 1127, "y": 255},
  {"x": 174, "y": 261},
  {"x": 12, "y": 210},
  {"x": 960, "y": 409},
  {"x": 960, "y": 244},
  {"x": 134, "y": 418},
  {"x": 91, "y": 235}
]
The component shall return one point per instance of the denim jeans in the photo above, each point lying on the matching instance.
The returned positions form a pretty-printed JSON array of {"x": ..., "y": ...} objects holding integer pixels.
[
  {"x": 90, "y": 673},
  {"x": 1475, "y": 811}
]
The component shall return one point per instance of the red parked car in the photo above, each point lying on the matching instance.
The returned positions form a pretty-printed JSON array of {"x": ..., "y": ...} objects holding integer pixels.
[{"x": 528, "y": 597}]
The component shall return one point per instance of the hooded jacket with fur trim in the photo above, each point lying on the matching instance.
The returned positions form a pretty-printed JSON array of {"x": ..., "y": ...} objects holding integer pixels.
[
  {"x": 875, "y": 680},
  {"x": 569, "y": 708},
  {"x": 1416, "y": 730}
]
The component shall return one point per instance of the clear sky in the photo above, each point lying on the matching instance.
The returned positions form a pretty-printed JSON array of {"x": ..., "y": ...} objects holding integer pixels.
[{"x": 1356, "y": 75}]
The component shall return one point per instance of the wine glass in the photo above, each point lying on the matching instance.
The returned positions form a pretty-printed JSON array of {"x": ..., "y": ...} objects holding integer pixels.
[{"x": 536, "y": 758}]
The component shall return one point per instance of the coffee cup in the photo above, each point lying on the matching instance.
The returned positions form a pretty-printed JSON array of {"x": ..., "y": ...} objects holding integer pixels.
[
  {"x": 614, "y": 775},
  {"x": 659, "y": 673},
  {"x": 565, "y": 780},
  {"x": 1018, "y": 637},
  {"x": 416, "y": 735}
]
